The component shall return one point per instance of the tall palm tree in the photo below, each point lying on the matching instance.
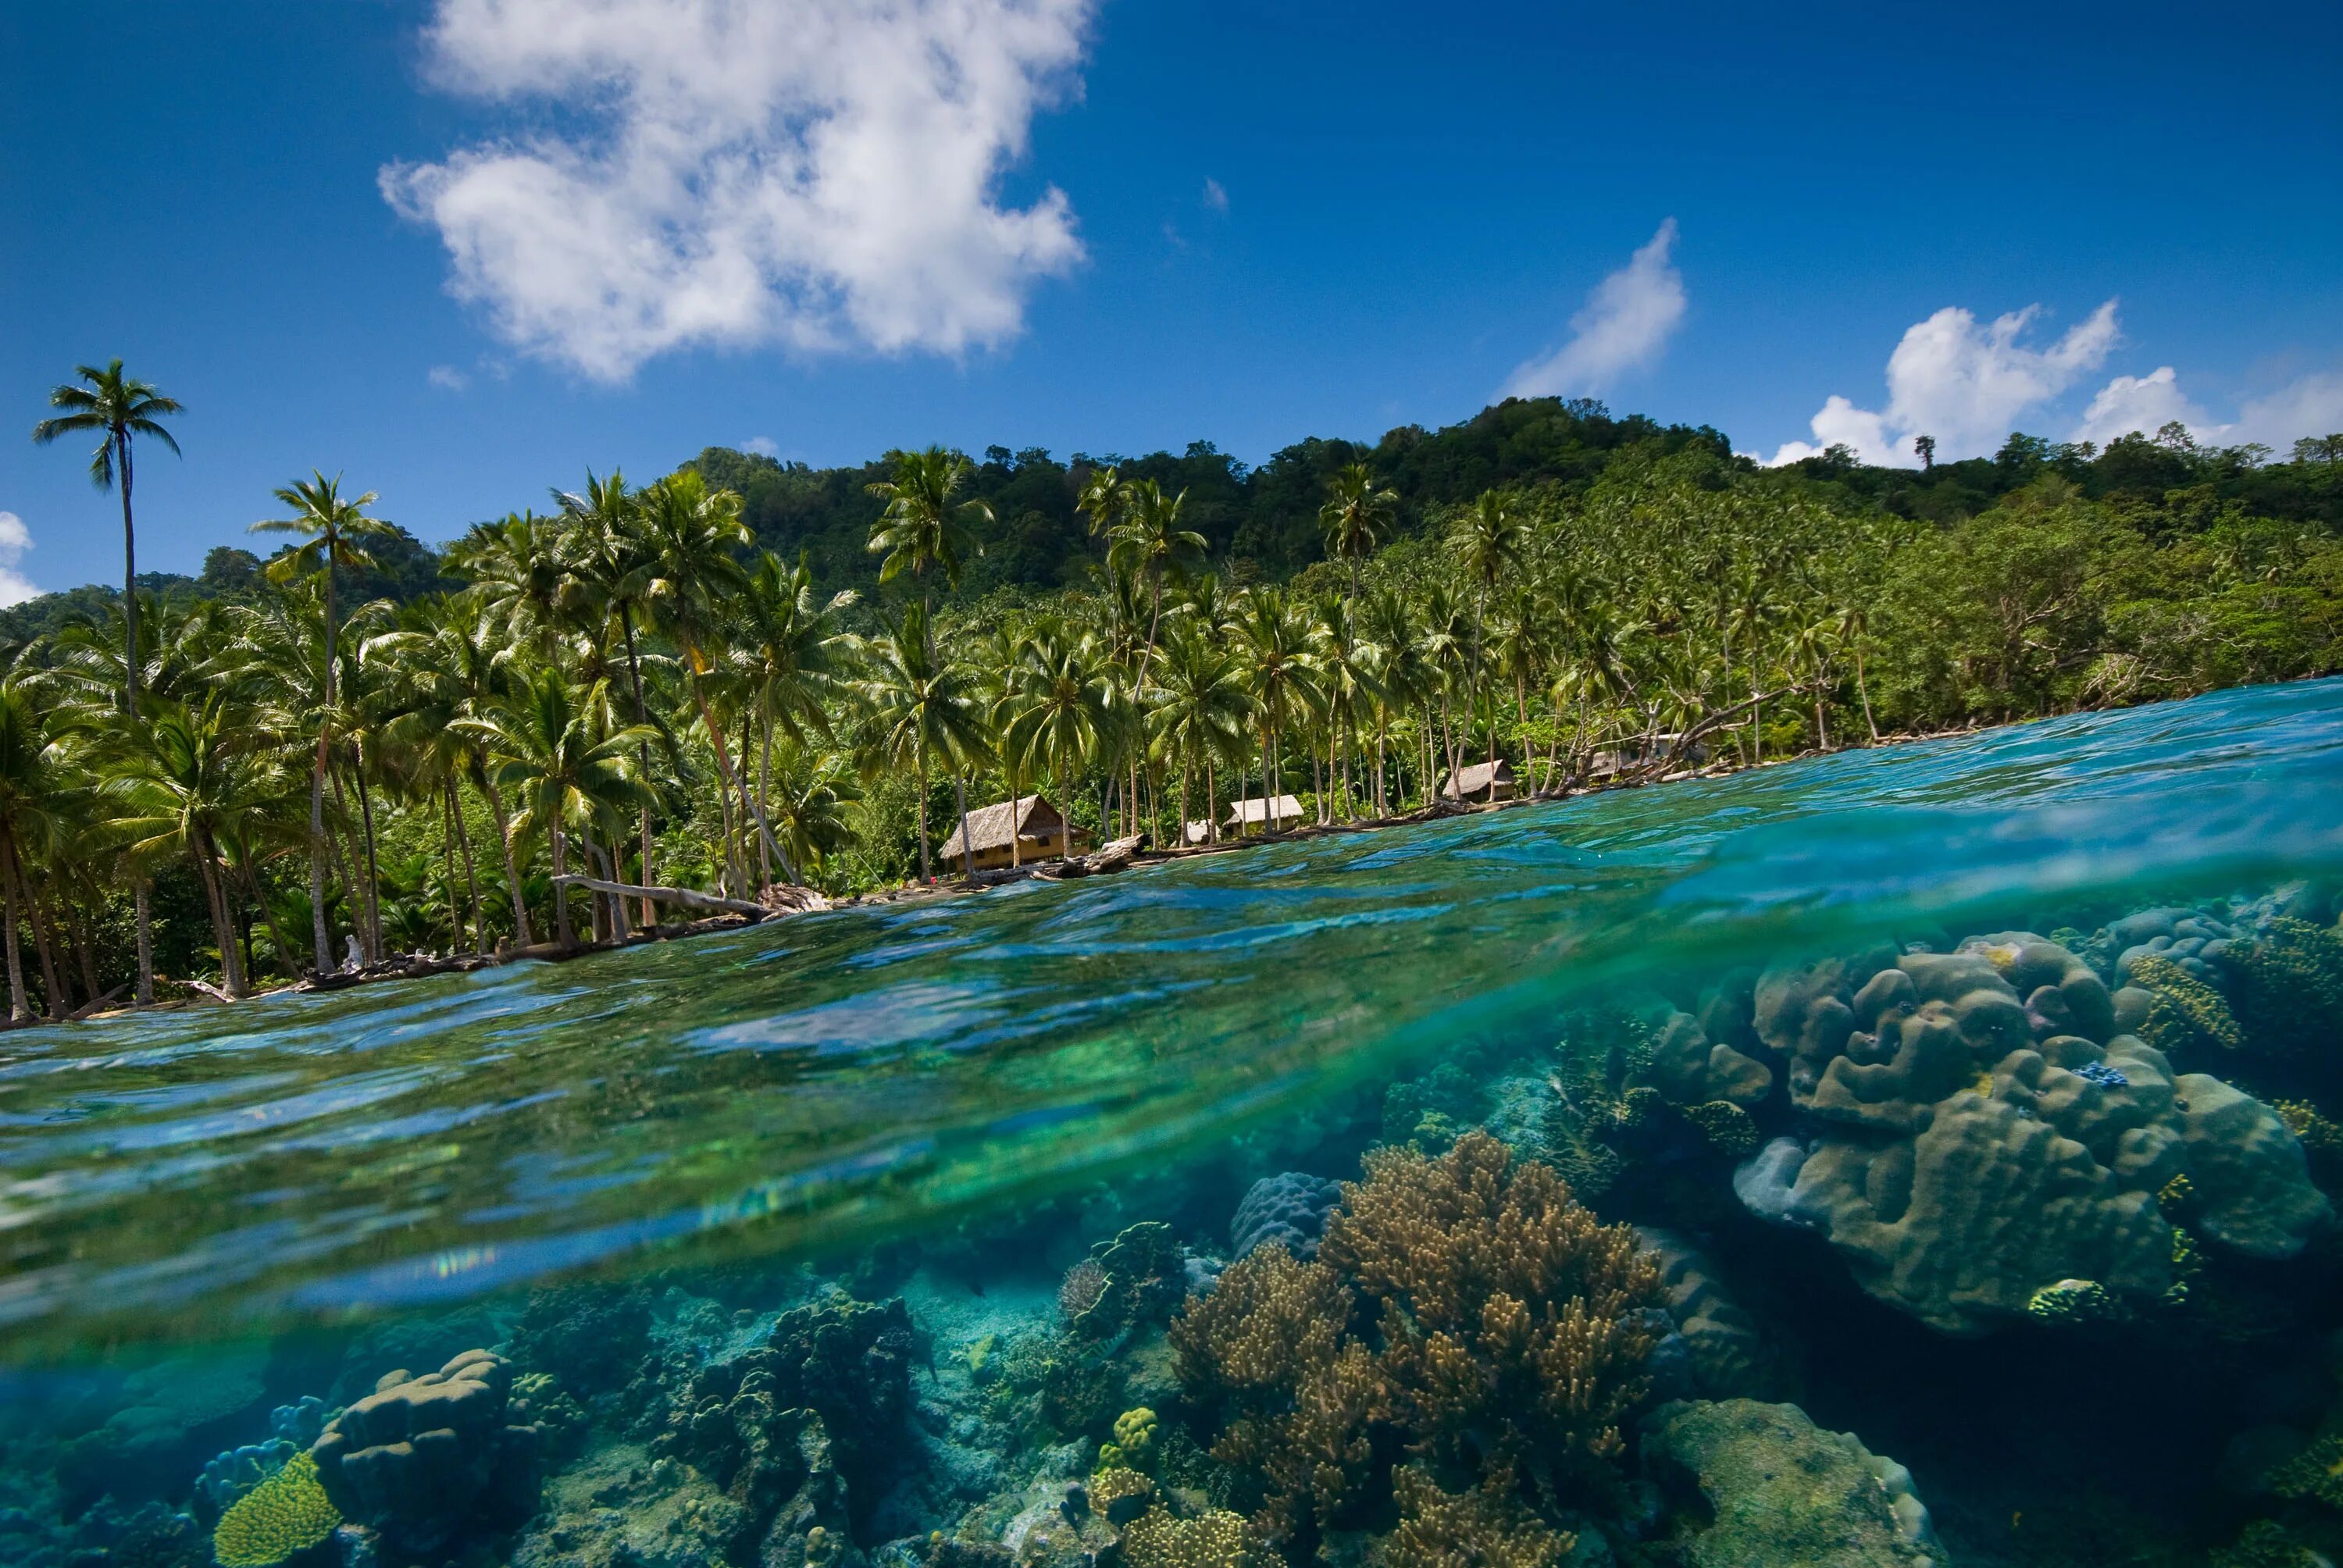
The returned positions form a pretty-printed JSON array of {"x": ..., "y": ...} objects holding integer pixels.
[
  {"x": 1150, "y": 542},
  {"x": 790, "y": 649},
  {"x": 119, "y": 408},
  {"x": 1283, "y": 671},
  {"x": 1356, "y": 517},
  {"x": 1062, "y": 706},
  {"x": 333, "y": 529},
  {"x": 1198, "y": 705},
  {"x": 691, "y": 534},
  {"x": 515, "y": 569},
  {"x": 921, "y": 707},
  {"x": 924, "y": 527},
  {"x": 608, "y": 553},
  {"x": 1489, "y": 542},
  {"x": 544, "y": 747}
]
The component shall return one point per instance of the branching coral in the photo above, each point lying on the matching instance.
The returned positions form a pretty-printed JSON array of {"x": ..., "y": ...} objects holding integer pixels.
[
  {"x": 2186, "y": 1012},
  {"x": 2288, "y": 983},
  {"x": 1120, "y": 1493},
  {"x": 1486, "y": 1527},
  {"x": 1218, "y": 1539},
  {"x": 1730, "y": 1130},
  {"x": 1468, "y": 1303},
  {"x": 286, "y": 1513}
]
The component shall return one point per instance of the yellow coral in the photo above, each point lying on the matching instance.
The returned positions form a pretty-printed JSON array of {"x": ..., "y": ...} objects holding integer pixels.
[
  {"x": 1215, "y": 1539},
  {"x": 287, "y": 1512},
  {"x": 1135, "y": 1440},
  {"x": 2186, "y": 1012}
]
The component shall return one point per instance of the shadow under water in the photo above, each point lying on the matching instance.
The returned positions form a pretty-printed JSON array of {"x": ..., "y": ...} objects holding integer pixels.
[{"x": 1973, "y": 1095}]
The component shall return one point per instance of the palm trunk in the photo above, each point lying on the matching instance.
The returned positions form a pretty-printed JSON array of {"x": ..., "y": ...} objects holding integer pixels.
[
  {"x": 920, "y": 810},
  {"x": 373, "y": 867},
  {"x": 521, "y": 935},
  {"x": 143, "y": 906},
  {"x": 471, "y": 881},
  {"x": 642, "y": 755},
  {"x": 223, "y": 929},
  {"x": 361, "y": 908},
  {"x": 724, "y": 776},
  {"x": 129, "y": 586},
  {"x": 20, "y": 1007},
  {"x": 967, "y": 850},
  {"x": 1212, "y": 802},
  {"x": 447, "y": 859},
  {"x": 561, "y": 932},
  {"x": 321, "y": 931},
  {"x": 58, "y": 1003},
  {"x": 1865, "y": 692}
]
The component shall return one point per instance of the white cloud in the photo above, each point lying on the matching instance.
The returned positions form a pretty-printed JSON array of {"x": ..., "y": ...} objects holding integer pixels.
[
  {"x": 2142, "y": 403},
  {"x": 763, "y": 446},
  {"x": 819, "y": 174},
  {"x": 15, "y": 539},
  {"x": 1963, "y": 384},
  {"x": 1216, "y": 196},
  {"x": 447, "y": 378},
  {"x": 2308, "y": 405},
  {"x": 1624, "y": 324}
]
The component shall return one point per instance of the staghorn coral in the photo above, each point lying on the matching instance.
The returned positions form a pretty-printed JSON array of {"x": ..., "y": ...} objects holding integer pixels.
[
  {"x": 2184, "y": 1011},
  {"x": 1121, "y": 1494},
  {"x": 1486, "y": 1527},
  {"x": 286, "y": 1513},
  {"x": 1217, "y": 1539},
  {"x": 1499, "y": 1326},
  {"x": 2315, "y": 1474}
]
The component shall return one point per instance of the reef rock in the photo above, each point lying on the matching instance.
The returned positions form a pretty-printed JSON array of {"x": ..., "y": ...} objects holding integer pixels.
[
  {"x": 1762, "y": 1485},
  {"x": 1290, "y": 1207},
  {"x": 1972, "y": 1129},
  {"x": 1723, "y": 1353},
  {"x": 423, "y": 1460},
  {"x": 1688, "y": 1069}
]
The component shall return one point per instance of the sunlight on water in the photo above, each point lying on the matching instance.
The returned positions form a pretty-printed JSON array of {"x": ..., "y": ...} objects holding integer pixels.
[{"x": 854, "y": 1073}]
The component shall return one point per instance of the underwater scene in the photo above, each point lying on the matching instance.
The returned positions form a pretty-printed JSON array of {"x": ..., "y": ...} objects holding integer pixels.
[{"x": 1928, "y": 1154}]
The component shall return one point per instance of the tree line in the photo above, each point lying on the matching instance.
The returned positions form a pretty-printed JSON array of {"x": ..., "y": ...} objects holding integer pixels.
[{"x": 359, "y": 745}]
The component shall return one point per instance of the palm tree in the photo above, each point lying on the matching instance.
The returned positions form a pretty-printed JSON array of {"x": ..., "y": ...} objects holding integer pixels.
[
  {"x": 1198, "y": 705},
  {"x": 1488, "y": 543},
  {"x": 921, "y": 707},
  {"x": 608, "y": 552},
  {"x": 1282, "y": 671},
  {"x": 515, "y": 570},
  {"x": 544, "y": 747},
  {"x": 119, "y": 408},
  {"x": 333, "y": 530},
  {"x": 1150, "y": 542},
  {"x": 923, "y": 527},
  {"x": 809, "y": 803},
  {"x": 1062, "y": 701},
  {"x": 1357, "y": 515},
  {"x": 690, "y": 533},
  {"x": 792, "y": 651},
  {"x": 27, "y": 790}
]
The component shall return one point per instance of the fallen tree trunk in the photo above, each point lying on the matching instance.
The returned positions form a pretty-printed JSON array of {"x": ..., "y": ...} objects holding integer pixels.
[{"x": 689, "y": 898}]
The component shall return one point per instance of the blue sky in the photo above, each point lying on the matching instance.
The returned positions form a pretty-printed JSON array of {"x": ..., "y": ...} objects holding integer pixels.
[{"x": 459, "y": 252}]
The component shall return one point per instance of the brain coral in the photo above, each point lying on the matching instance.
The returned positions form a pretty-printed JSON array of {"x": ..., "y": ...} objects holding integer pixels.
[
  {"x": 422, "y": 1459},
  {"x": 287, "y": 1512},
  {"x": 1942, "y": 1098}
]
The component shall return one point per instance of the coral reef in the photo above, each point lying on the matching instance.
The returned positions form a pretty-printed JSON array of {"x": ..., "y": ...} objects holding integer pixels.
[
  {"x": 1484, "y": 1527},
  {"x": 1913, "y": 1167},
  {"x": 1141, "y": 1275},
  {"x": 2287, "y": 983},
  {"x": 1134, "y": 1445},
  {"x": 286, "y": 1514},
  {"x": 850, "y": 1363},
  {"x": 1215, "y": 1539},
  {"x": 591, "y": 1336},
  {"x": 1290, "y": 1209},
  {"x": 424, "y": 1460},
  {"x": 1772, "y": 1488},
  {"x": 2183, "y": 1012},
  {"x": 2073, "y": 1301},
  {"x": 1501, "y": 1327},
  {"x": 1713, "y": 1349}
]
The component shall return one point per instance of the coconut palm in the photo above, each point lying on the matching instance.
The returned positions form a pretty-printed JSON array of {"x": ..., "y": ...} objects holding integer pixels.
[
  {"x": 119, "y": 410},
  {"x": 1063, "y": 707},
  {"x": 1151, "y": 543},
  {"x": 334, "y": 529},
  {"x": 691, "y": 534},
  {"x": 1356, "y": 517},
  {"x": 790, "y": 650},
  {"x": 1282, "y": 668},
  {"x": 1199, "y": 706},
  {"x": 610, "y": 562},
  {"x": 921, "y": 707},
  {"x": 923, "y": 529},
  {"x": 564, "y": 771},
  {"x": 516, "y": 571}
]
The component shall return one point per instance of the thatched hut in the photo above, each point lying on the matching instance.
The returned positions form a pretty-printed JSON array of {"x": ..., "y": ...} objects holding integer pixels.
[
  {"x": 1479, "y": 781},
  {"x": 1029, "y": 823},
  {"x": 1249, "y": 815}
]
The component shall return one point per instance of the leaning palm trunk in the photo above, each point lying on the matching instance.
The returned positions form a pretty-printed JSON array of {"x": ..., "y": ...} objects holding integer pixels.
[
  {"x": 321, "y": 932},
  {"x": 471, "y": 881},
  {"x": 727, "y": 781},
  {"x": 561, "y": 932},
  {"x": 59, "y": 1002},
  {"x": 920, "y": 810},
  {"x": 223, "y": 922},
  {"x": 642, "y": 755},
  {"x": 142, "y": 905}
]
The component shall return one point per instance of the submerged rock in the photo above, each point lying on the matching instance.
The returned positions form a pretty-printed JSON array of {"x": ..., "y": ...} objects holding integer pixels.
[{"x": 1760, "y": 1485}]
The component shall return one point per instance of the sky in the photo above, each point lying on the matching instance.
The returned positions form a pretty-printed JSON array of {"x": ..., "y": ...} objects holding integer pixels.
[{"x": 460, "y": 251}]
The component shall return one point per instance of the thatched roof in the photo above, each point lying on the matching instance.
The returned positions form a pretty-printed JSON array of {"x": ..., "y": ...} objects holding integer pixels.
[
  {"x": 1250, "y": 811},
  {"x": 989, "y": 825},
  {"x": 1474, "y": 778}
]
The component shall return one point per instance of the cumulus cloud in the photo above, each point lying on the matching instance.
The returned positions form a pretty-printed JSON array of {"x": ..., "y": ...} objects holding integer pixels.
[
  {"x": 2142, "y": 403},
  {"x": 447, "y": 378},
  {"x": 763, "y": 446},
  {"x": 15, "y": 539},
  {"x": 1216, "y": 196},
  {"x": 2309, "y": 406},
  {"x": 821, "y": 174},
  {"x": 1963, "y": 383},
  {"x": 1624, "y": 324}
]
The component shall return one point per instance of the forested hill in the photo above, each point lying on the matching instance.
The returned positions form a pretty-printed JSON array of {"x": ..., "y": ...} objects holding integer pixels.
[{"x": 1261, "y": 523}]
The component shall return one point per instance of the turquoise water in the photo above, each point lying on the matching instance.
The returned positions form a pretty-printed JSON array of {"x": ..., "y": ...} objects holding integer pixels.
[{"x": 784, "y": 1096}]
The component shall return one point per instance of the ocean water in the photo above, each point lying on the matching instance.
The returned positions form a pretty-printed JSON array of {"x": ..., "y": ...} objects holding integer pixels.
[{"x": 620, "y": 1176}]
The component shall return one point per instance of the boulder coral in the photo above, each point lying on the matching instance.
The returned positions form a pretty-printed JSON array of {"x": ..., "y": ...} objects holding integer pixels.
[
  {"x": 1937, "y": 1098},
  {"x": 1289, "y": 1208},
  {"x": 424, "y": 1460},
  {"x": 1467, "y": 1302}
]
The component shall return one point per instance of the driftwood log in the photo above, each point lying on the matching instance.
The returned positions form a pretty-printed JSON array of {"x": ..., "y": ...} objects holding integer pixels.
[
  {"x": 690, "y": 899},
  {"x": 1099, "y": 862}
]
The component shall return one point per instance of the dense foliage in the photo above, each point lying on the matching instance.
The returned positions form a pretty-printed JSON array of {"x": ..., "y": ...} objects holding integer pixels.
[{"x": 751, "y": 671}]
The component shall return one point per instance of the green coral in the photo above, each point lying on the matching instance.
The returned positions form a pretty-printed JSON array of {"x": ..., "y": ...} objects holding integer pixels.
[
  {"x": 1216, "y": 1539},
  {"x": 2288, "y": 982},
  {"x": 1636, "y": 1107},
  {"x": 2185, "y": 1010},
  {"x": 1135, "y": 1440},
  {"x": 286, "y": 1513},
  {"x": 2175, "y": 1194},
  {"x": 2264, "y": 1544},
  {"x": 2073, "y": 1301},
  {"x": 2316, "y": 1474},
  {"x": 1730, "y": 1130}
]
